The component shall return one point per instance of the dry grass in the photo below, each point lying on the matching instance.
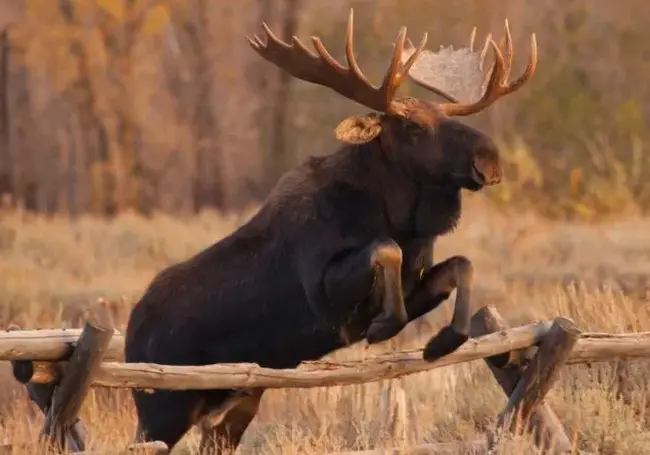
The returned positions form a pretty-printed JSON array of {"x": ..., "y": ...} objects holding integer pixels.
[{"x": 530, "y": 267}]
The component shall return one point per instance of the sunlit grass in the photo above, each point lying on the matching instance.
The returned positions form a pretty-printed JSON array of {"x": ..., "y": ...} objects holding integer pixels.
[{"x": 530, "y": 268}]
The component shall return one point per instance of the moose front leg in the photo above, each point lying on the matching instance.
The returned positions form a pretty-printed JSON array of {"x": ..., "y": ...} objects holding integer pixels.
[
  {"x": 437, "y": 284},
  {"x": 351, "y": 279},
  {"x": 418, "y": 259}
]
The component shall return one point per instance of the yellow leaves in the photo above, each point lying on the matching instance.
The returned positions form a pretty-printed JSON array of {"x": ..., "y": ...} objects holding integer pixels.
[
  {"x": 152, "y": 19},
  {"x": 580, "y": 209},
  {"x": 116, "y": 8},
  {"x": 42, "y": 12},
  {"x": 155, "y": 20},
  {"x": 523, "y": 162},
  {"x": 629, "y": 118},
  {"x": 47, "y": 54},
  {"x": 48, "y": 35},
  {"x": 576, "y": 181},
  {"x": 21, "y": 35}
]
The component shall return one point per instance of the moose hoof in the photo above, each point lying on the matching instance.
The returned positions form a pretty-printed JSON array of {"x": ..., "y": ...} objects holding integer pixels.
[
  {"x": 445, "y": 342},
  {"x": 382, "y": 329}
]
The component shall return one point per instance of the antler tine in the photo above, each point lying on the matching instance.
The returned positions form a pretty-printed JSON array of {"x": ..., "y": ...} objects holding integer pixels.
[
  {"x": 472, "y": 37},
  {"x": 349, "y": 50},
  {"x": 530, "y": 68},
  {"x": 394, "y": 77},
  {"x": 497, "y": 86},
  {"x": 409, "y": 63},
  {"x": 392, "y": 72},
  {"x": 322, "y": 69},
  {"x": 506, "y": 45},
  {"x": 482, "y": 54},
  {"x": 486, "y": 46}
]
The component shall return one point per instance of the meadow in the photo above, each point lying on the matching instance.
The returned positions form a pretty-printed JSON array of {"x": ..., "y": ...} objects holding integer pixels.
[
  {"x": 110, "y": 111},
  {"x": 529, "y": 267}
]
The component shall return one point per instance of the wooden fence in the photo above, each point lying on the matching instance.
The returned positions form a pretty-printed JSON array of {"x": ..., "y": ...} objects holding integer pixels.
[{"x": 58, "y": 367}]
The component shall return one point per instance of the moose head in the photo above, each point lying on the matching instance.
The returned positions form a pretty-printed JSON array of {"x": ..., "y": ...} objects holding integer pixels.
[{"x": 420, "y": 134}]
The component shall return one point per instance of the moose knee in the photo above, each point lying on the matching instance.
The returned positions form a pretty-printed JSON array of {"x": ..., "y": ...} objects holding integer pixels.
[
  {"x": 387, "y": 254},
  {"x": 463, "y": 270}
]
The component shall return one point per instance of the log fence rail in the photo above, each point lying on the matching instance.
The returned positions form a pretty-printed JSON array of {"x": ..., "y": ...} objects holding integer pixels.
[{"x": 58, "y": 368}]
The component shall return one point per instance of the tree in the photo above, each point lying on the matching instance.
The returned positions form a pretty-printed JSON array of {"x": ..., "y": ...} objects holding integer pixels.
[
  {"x": 188, "y": 74},
  {"x": 84, "y": 48}
]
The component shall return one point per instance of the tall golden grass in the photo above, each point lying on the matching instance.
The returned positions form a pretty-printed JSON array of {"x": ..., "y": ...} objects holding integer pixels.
[{"x": 530, "y": 268}]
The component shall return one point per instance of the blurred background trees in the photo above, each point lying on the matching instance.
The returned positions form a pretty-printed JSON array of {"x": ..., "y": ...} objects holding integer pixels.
[{"x": 108, "y": 106}]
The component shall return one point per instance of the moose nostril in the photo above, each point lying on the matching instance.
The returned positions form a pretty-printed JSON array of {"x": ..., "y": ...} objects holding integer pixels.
[{"x": 479, "y": 173}]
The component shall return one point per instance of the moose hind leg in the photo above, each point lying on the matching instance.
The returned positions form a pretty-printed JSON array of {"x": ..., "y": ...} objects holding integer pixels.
[
  {"x": 351, "y": 278},
  {"x": 223, "y": 428},
  {"x": 457, "y": 273},
  {"x": 166, "y": 415}
]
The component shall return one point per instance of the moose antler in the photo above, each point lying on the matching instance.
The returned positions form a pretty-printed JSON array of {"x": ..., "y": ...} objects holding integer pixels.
[
  {"x": 461, "y": 72},
  {"x": 324, "y": 70}
]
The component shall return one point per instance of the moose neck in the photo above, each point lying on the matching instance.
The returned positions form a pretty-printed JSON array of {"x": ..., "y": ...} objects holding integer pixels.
[
  {"x": 437, "y": 211},
  {"x": 418, "y": 205}
]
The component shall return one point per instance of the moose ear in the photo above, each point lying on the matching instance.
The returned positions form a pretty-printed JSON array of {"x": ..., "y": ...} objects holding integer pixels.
[{"x": 359, "y": 129}]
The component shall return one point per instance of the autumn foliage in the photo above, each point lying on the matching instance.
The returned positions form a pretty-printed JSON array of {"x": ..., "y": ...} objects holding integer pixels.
[{"x": 115, "y": 105}]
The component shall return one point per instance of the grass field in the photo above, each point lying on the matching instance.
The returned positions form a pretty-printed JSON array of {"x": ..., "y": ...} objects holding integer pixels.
[{"x": 530, "y": 268}]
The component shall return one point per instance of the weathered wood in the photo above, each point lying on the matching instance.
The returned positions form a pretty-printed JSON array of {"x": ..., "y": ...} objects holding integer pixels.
[
  {"x": 148, "y": 448},
  {"x": 38, "y": 371},
  {"x": 540, "y": 375},
  {"x": 56, "y": 344},
  {"x": 603, "y": 347},
  {"x": 547, "y": 428},
  {"x": 141, "y": 448},
  {"x": 310, "y": 374},
  {"x": 438, "y": 448},
  {"x": 44, "y": 372},
  {"x": 392, "y": 417},
  {"x": 479, "y": 446},
  {"x": 144, "y": 448},
  {"x": 488, "y": 320},
  {"x": 41, "y": 394},
  {"x": 70, "y": 394},
  {"x": 591, "y": 347}
]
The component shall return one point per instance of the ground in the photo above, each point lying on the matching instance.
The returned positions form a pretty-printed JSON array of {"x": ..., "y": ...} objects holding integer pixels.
[{"x": 528, "y": 267}]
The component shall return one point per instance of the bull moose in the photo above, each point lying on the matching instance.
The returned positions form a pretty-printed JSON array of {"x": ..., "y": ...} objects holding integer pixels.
[{"x": 340, "y": 250}]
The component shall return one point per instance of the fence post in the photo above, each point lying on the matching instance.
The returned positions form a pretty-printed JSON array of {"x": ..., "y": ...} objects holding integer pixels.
[
  {"x": 62, "y": 415},
  {"x": 508, "y": 370},
  {"x": 539, "y": 376},
  {"x": 41, "y": 393}
]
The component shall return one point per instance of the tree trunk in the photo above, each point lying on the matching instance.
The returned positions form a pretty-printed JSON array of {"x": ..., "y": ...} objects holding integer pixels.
[
  {"x": 6, "y": 165},
  {"x": 208, "y": 180},
  {"x": 94, "y": 138},
  {"x": 280, "y": 153}
]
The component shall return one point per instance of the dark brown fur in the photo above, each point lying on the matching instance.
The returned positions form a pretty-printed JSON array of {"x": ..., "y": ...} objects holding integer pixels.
[
  {"x": 341, "y": 250},
  {"x": 262, "y": 293}
]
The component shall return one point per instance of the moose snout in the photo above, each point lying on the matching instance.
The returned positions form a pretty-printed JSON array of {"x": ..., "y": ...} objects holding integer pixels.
[{"x": 486, "y": 172}]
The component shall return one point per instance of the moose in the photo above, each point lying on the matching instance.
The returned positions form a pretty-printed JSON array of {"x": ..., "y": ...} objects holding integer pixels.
[{"x": 341, "y": 249}]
